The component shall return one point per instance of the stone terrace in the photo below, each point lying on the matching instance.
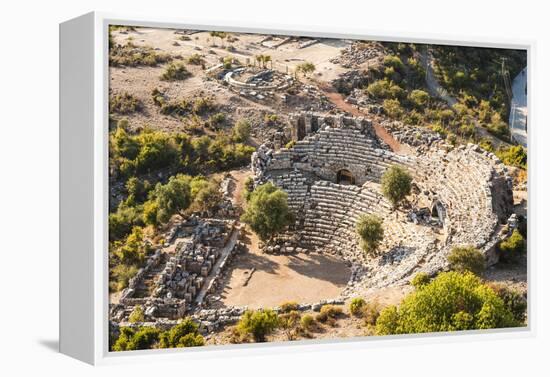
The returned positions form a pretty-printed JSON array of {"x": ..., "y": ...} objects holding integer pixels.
[{"x": 466, "y": 190}]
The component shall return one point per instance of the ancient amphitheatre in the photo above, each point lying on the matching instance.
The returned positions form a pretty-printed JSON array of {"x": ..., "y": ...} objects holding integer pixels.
[{"x": 319, "y": 131}]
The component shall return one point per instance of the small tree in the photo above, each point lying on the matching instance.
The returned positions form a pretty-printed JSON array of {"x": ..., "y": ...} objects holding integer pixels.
[
  {"x": 396, "y": 184},
  {"x": 306, "y": 68},
  {"x": 208, "y": 197},
  {"x": 258, "y": 323},
  {"x": 463, "y": 259},
  {"x": 369, "y": 228},
  {"x": 172, "y": 197},
  {"x": 267, "y": 212},
  {"x": 136, "y": 339},
  {"x": 184, "y": 334},
  {"x": 241, "y": 130}
]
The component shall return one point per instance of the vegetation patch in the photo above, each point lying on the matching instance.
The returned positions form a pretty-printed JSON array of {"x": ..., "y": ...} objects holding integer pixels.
[
  {"x": 370, "y": 231},
  {"x": 124, "y": 103},
  {"x": 455, "y": 301},
  {"x": 267, "y": 211},
  {"x": 130, "y": 55},
  {"x": 175, "y": 72},
  {"x": 467, "y": 259}
]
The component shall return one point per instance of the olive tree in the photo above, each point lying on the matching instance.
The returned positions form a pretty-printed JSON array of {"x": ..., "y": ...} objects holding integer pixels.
[
  {"x": 267, "y": 211},
  {"x": 370, "y": 231},
  {"x": 396, "y": 184}
]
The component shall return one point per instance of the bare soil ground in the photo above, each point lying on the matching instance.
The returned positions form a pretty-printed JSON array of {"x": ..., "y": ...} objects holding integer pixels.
[
  {"x": 512, "y": 275},
  {"x": 263, "y": 280}
]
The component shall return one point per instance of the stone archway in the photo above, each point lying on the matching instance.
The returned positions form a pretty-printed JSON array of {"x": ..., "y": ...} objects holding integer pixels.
[
  {"x": 301, "y": 129},
  {"x": 345, "y": 177},
  {"x": 438, "y": 211}
]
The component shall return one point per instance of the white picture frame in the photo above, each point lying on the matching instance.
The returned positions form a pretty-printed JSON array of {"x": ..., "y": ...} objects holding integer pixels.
[{"x": 84, "y": 186}]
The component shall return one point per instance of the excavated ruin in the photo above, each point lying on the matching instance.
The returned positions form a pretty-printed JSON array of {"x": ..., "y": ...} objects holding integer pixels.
[{"x": 461, "y": 196}]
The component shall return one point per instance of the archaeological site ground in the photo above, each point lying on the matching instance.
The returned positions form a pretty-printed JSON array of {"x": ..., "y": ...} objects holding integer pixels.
[{"x": 269, "y": 188}]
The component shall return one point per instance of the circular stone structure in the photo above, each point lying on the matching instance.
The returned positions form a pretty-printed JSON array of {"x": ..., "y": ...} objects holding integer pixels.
[
  {"x": 256, "y": 79},
  {"x": 461, "y": 196}
]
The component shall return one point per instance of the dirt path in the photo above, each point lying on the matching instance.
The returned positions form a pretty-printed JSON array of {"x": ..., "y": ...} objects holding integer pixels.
[
  {"x": 337, "y": 99},
  {"x": 433, "y": 85},
  {"x": 240, "y": 177}
]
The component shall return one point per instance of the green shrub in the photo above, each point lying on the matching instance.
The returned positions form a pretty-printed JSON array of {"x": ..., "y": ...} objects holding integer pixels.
[
  {"x": 227, "y": 62},
  {"x": 120, "y": 275},
  {"x": 241, "y": 130},
  {"x": 202, "y": 105},
  {"x": 123, "y": 221},
  {"x": 267, "y": 211},
  {"x": 176, "y": 108},
  {"x": 215, "y": 121},
  {"x": 392, "y": 108},
  {"x": 131, "y": 55},
  {"x": 271, "y": 119},
  {"x": 290, "y": 323},
  {"x": 487, "y": 145},
  {"x": 158, "y": 97},
  {"x": 370, "y": 231},
  {"x": 137, "y": 190},
  {"x": 450, "y": 302},
  {"x": 306, "y": 68},
  {"x": 419, "y": 98},
  {"x": 307, "y": 321},
  {"x": 395, "y": 62},
  {"x": 356, "y": 306},
  {"x": 184, "y": 334},
  {"x": 420, "y": 280},
  {"x": 133, "y": 250},
  {"x": 370, "y": 313},
  {"x": 258, "y": 323},
  {"x": 463, "y": 259},
  {"x": 396, "y": 184},
  {"x": 388, "y": 321},
  {"x": 124, "y": 103},
  {"x": 385, "y": 89},
  {"x": 329, "y": 314},
  {"x": 169, "y": 199},
  {"x": 513, "y": 246},
  {"x": 208, "y": 197},
  {"x": 290, "y": 144},
  {"x": 137, "y": 315},
  {"x": 288, "y": 306},
  {"x": 136, "y": 339},
  {"x": 195, "y": 59},
  {"x": 514, "y": 156},
  {"x": 175, "y": 72}
]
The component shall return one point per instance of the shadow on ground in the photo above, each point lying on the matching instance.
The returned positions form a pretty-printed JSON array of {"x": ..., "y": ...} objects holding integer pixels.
[{"x": 51, "y": 344}]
